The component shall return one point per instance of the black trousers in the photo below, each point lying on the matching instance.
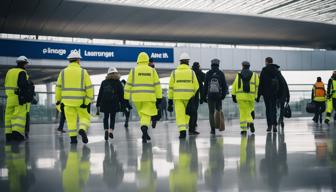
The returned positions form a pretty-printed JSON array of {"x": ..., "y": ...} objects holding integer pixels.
[
  {"x": 281, "y": 106},
  {"x": 271, "y": 111},
  {"x": 193, "y": 118},
  {"x": 27, "y": 127},
  {"x": 320, "y": 108},
  {"x": 213, "y": 105},
  {"x": 62, "y": 121},
  {"x": 127, "y": 115},
  {"x": 112, "y": 120}
]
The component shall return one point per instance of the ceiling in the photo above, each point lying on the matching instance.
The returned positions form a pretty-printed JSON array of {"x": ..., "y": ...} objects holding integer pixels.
[
  {"x": 110, "y": 21},
  {"x": 306, "y": 10}
]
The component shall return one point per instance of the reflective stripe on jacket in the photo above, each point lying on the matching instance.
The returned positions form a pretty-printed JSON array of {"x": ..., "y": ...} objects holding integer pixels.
[
  {"x": 183, "y": 83},
  {"x": 11, "y": 85},
  {"x": 143, "y": 84},
  {"x": 74, "y": 86},
  {"x": 239, "y": 92}
]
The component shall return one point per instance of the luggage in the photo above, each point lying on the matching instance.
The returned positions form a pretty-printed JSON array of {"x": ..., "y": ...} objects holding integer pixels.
[
  {"x": 219, "y": 120},
  {"x": 310, "y": 107},
  {"x": 287, "y": 111}
]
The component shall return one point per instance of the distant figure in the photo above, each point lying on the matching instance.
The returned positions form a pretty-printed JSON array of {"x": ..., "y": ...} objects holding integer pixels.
[
  {"x": 331, "y": 96},
  {"x": 110, "y": 100},
  {"x": 244, "y": 92},
  {"x": 215, "y": 90},
  {"x": 319, "y": 98},
  {"x": 128, "y": 108},
  {"x": 198, "y": 100},
  {"x": 164, "y": 104},
  {"x": 271, "y": 88}
]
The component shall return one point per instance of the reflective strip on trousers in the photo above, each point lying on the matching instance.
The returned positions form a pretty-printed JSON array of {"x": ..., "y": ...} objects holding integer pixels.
[{"x": 11, "y": 88}]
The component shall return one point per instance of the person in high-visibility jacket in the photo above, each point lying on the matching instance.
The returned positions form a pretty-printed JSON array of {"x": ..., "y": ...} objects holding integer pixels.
[
  {"x": 319, "y": 98},
  {"x": 244, "y": 92},
  {"x": 144, "y": 89},
  {"x": 16, "y": 84},
  {"x": 77, "y": 170},
  {"x": 331, "y": 96},
  {"x": 183, "y": 85},
  {"x": 75, "y": 91}
]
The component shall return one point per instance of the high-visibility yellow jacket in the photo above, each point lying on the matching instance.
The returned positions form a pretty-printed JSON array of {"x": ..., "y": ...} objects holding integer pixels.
[
  {"x": 237, "y": 88},
  {"x": 11, "y": 85},
  {"x": 319, "y": 92},
  {"x": 143, "y": 84},
  {"x": 74, "y": 86},
  {"x": 334, "y": 89},
  {"x": 183, "y": 83}
]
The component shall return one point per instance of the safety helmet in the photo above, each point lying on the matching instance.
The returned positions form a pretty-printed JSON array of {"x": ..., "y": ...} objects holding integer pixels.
[
  {"x": 246, "y": 63},
  {"x": 74, "y": 55},
  {"x": 22, "y": 59},
  {"x": 143, "y": 58},
  {"x": 112, "y": 70},
  {"x": 184, "y": 56}
]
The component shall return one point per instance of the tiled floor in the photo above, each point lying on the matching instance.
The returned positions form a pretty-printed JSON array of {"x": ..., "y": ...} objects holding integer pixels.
[{"x": 300, "y": 158}]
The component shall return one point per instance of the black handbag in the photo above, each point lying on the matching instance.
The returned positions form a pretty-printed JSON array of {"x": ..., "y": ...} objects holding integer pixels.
[
  {"x": 191, "y": 107},
  {"x": 310, "y": 107},
  {"x": 287, "y": 111}
]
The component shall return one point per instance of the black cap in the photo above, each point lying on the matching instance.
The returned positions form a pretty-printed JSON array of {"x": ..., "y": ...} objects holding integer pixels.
[
  {"x": 246, "y": 63},
  {"x": 215, "y": 62}
]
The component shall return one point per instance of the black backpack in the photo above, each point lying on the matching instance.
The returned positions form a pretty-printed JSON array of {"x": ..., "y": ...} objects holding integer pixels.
[
  {"x": 275, "y": 84},
  {"x": 214, "y": 87},
  {"x": 109, "y": 92}
]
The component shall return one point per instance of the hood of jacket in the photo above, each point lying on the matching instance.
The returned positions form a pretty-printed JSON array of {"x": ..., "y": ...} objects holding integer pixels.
[
  {"x": 214, "y": 67},
  {"x": 113, "y": 76}
]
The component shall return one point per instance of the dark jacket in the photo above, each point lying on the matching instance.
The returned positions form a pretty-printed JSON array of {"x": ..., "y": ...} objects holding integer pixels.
[
  {"x": 111, "y": 103},
  {"x": 223, "y": 84},
  {"x": 266, "y": 88},
  {"x": 200, "y": 78}
]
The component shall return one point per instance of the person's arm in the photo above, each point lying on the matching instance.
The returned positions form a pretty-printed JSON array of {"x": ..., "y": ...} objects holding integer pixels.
[
  {"x": 205, "y": 90},
  {"x": 329, "y": 89},
  {"x": 225, "y": 86},
  {"x": 22, "y": 81},
  {"x": 88, "y": 88},
  {"x": 100, "y": 94},
  {"x": 234, "y": 88},
  {"x": 157, "y": 85},
  {"x": 261, "y": 84},
  {"x": 312, "y": 93},
  {"x": 58, "y": 89},
  {"x": 171, "y": 86},
  {"x": 128, "y": 86},
  {"x": 195, "y": 83}
]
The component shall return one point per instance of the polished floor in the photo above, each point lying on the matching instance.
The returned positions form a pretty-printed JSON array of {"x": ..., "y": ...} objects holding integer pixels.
[{"x": 302, "y": 157}]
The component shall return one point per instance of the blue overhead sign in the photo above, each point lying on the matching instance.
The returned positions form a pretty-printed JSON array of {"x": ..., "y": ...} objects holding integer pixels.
[{"x": 48, "y": 50}]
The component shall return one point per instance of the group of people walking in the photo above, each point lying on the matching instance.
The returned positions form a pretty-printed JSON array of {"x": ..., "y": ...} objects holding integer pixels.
[{"x": 188, "y": 87}]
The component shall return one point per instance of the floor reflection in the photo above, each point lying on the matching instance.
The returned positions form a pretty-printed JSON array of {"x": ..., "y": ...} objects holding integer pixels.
[
  {"x": 113, "y": 172},
  {"x": 146, "y": 176},
  {"x": 214, "y": 173},
  {"x": 247, "y": 166}
]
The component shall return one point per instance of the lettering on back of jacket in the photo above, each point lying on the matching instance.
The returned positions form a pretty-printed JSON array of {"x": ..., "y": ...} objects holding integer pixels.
[{"x": 144, "y": 74}]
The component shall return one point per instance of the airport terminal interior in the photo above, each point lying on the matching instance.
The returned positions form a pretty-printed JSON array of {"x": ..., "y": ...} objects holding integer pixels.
[{"x": 299, "y": 36}]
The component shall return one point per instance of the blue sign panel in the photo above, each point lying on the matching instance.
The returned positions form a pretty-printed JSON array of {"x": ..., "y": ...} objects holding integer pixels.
[{"x": 48, "y": 50}]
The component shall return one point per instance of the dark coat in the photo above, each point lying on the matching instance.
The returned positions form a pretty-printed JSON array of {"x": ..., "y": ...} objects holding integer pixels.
[
  {"x": 200, "y": 78},
  {"x": 266, "y": 89},
  {"x": 223, "y": 84},
  {"x": 111, "y": 103}
]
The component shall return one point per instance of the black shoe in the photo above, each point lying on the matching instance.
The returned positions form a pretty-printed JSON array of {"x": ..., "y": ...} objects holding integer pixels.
[
  {"x": 269, "y": 128},
  {"x": 106, "y": 135},
  {"x": 17, "y": 136},
  {"x": 275, "y": 129},
  {"x": 282, "y": 124},
  {"x": 8, "y": 137},
  {"x": 183, "y": 134},
  {"x": 252, "y": 127},
  {"x": 193, "y": 133},
  {"x": 111, "y": 135},
  {"x": 84, "y": 136},
  {"x": 153, "y": 124},
  {"x": 60, "y": 130},
  {"x": 326, "y": 121},
  {"x": 27, "y": 135},
  {"x": 243, "y": 133},
  {"x": 145, "y": 135},
  {"x": 213, "y": 132},
  {"x": 126, "y": 125},
  {"x": 73, "y": 140}
]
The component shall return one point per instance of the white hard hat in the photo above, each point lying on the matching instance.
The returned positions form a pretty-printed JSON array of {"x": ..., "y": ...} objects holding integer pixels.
[
  {"x": 112, "y": 70},
  {"x": 74, "y": 55},
  {"x": 184, "y": 56},
  {"x": 22, "y": 59}
]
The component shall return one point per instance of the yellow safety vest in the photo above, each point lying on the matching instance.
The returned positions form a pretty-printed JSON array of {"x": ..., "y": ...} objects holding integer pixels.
[
  {"x": 183, "y": 83},
  {"x": 239, "y": 92},
  {"x": 143, "y": 84},
  {"x": 74, "y": 86},
  {"x": 11, "y": 85},
  {"x": 334, "y": 89}
]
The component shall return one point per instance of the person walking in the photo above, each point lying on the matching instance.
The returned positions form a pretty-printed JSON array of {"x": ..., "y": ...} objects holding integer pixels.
[
  {"x": 200, "y": 78},
  {"x": 143, "y": 87},
  {"x": 110, "y": 100},
  {"x": 244, "y": 92},
  {"x": 75, "y": 91},
  {"x": 331, "y": 96},
  {"x": 271, "y": 88},
  {"x": 215, "y": 90},
  {"x": 18, "y": 97},
  {"x": 319, "y": 98},
  {"x": 183, "y": 86},
  {"x": 127, "y": 109}
]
